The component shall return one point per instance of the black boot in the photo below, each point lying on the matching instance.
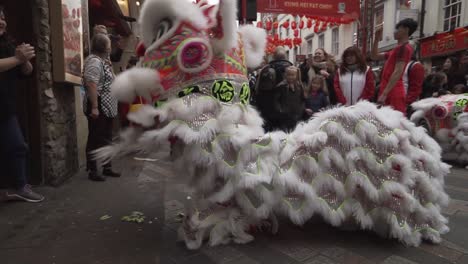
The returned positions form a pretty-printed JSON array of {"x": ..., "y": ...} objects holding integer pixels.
[
  {"x": 94, "y": 176},
  {"x": 107, "y": 171}
]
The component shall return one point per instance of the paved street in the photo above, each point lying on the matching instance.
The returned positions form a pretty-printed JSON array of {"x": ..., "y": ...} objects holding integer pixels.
[{"x": 80, "y": 222}]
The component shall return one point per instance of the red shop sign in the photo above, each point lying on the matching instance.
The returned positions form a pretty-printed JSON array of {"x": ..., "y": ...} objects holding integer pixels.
[
  {"x": 300, "y": 58},
  {"x": 330, "y": 8},
  {"x": 444, "y": 43}
]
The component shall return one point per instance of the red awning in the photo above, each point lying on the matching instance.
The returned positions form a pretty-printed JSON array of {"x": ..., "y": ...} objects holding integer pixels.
[
  {"x": 445, "y": 43},
  {"x": 108, "y": 13}
]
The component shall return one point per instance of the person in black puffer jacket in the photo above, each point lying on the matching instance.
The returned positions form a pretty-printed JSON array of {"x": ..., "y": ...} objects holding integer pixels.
[{"x": 266, "y": 89}]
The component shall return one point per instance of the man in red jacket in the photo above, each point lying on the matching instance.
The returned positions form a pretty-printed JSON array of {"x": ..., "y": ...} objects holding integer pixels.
[{"x": 392, "y": 91}]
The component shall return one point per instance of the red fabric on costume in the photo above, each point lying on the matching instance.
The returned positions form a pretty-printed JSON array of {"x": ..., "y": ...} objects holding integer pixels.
[
  {"x": 396, "y": 97},
  {"x": 415, "y": 82}
]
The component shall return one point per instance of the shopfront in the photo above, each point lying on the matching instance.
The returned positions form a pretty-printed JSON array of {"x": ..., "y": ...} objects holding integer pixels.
[{"x": 435, "y": 49}]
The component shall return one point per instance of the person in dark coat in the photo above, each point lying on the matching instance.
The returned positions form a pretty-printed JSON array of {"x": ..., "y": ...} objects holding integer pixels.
[
  {"x": 266, "y": 89},
  {"x": 290, "y": 99},
  {"x": 14, "y": 62}
]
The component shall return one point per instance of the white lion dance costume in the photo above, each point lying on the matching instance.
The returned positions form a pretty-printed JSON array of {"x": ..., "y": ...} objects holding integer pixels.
[
  {"x": 446, "y": 119},
  {"x": 360, "y": 164}
]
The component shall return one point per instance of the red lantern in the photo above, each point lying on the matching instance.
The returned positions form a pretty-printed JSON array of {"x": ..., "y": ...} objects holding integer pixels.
[
  {"x": 296, "y": 33},
  {"x": 259, "y": 24},
  {"x": 275, "y": 25},
  {"x": 301, "y": 24},
  {"x": 316, "y": 28},
  {"x": 309, "y": 23},
  {"x": 276, "y": 37},
  {"x": 268, "y": 25},
  {"x": 294, "y": 25},
  {"x": 285, "y": 24},
  {"x": 324, "y": 26}
]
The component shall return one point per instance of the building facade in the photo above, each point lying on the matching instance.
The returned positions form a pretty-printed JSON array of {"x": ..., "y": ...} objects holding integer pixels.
[
  {"x": 334, "y": 39},
  {"x": 435, "y": 17}
]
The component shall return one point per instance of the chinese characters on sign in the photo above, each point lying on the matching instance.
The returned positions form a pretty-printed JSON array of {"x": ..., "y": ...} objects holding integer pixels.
[{"x": 445, "y": 43}]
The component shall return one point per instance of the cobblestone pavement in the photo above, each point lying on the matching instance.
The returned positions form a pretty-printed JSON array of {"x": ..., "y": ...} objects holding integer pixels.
[{"x": 67, "y": 228}]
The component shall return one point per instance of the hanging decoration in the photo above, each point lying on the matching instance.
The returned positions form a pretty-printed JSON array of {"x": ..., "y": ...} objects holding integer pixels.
[
  {"x": 316, "y": 23},
  {"x": 301, "y": 24},
  {"x": 293, "y": 25},
  {"x": 268, "y": 25}
]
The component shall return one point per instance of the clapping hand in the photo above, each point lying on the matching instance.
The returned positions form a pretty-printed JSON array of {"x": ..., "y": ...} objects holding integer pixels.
[
  {"x": 25, "y": 52},
  {"x": 324, "y": 73}
]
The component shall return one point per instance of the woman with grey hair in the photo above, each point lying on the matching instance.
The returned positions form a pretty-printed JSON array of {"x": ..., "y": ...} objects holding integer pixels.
[{"x": 99, "y": 105}]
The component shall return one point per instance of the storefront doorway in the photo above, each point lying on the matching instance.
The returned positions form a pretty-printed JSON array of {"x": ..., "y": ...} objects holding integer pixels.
[{"x": 19, "y": 16}]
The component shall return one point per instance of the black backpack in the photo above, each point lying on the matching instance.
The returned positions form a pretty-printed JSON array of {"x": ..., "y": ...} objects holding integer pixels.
[{"x": 266, "y": 79}]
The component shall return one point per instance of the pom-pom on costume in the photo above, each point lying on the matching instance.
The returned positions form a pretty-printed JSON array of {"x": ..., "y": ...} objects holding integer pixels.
[
  {"x": 357, "y": 164},
  {"x": 446, "y": 119}
]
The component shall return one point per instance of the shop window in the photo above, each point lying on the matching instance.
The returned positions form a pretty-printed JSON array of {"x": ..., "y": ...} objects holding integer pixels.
[
  {"x": 309, "y": 46},
  {"x": 379, "y": 21},
  {"x": 335, "y": 41},
  {"x": 452, "y": 14},
  {"x": 321, "y": 41},
  {"x": 404, "y": 4}
]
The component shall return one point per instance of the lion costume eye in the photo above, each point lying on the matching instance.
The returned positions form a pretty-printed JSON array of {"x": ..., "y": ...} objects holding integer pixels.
[{"x": 163, "y": 27}]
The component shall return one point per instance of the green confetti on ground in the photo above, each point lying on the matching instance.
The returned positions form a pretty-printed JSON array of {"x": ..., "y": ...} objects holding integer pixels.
[
  {"x": 135, "y": 217},
  {"x": 104, "y": 217}
]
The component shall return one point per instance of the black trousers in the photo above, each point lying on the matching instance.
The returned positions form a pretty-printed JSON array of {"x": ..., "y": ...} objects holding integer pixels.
[{"x": 99, "y": 135}]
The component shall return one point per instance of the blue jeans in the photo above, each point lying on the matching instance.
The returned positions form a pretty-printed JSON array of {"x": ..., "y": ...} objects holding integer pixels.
[{"x": 13, "y": 153}]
